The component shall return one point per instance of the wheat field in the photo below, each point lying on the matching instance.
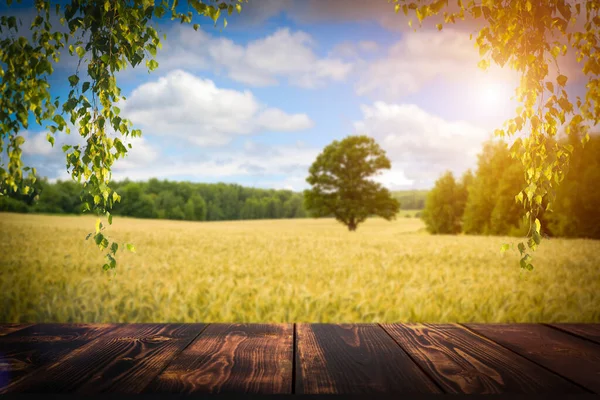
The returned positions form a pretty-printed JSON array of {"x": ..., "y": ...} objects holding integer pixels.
[{"x": 286, "y": 271}]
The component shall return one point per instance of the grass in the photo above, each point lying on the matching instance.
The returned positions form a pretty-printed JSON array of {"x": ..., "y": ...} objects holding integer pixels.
[{"x": 286, "y": 271}]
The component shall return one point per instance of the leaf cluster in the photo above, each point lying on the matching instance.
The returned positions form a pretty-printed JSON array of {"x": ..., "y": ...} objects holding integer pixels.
[{"x": 107, "y": 37}]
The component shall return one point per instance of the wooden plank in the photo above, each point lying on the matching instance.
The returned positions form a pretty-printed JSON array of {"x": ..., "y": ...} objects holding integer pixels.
[
  {"x": 5, "y": 329},
  {"x": 574, "y": 358},
  {"x": 232, "y": 358},
  {"x": 355, "y": 359},
  {"x": 587, "y": 331},
  {"x": 463, "y": 362},
  {"x": 27, "y": 350},
  {"x": 124, "y": 360}
]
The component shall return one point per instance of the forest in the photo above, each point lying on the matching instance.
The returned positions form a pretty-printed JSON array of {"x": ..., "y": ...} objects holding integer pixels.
[
  {"x": 483, "y": 202},
  {"x": 164, "y": 199}
]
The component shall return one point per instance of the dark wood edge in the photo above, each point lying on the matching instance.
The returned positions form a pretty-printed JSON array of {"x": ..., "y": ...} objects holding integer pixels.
[
  {"x": 558, "y": 327},
  {"x": 529, "y": 359}
]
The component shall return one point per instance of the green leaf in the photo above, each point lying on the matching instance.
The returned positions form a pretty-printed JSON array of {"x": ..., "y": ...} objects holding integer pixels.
[
  {"x": 85, "y": 87},
  {"x": 130, "y": 247},
  {"x": 98, "y": 238},
  {"x": 114, "y": 247},
  {"x": 80, "y": 51},
  {"x": 98, "y": 225},
  {"x": 73, "y": 80},
  {"x": 524, "y": 261},
  {"x": 152, "y": 64},
  {"x": 538, "y": 225},
  {"x": 521, "y": 248},
  {"x": 529, "y": 267},
  {"x": 505, "y": 247}
]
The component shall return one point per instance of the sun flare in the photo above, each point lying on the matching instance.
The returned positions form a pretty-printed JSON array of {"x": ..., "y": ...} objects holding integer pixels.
[{"x": 494, "y": 94}]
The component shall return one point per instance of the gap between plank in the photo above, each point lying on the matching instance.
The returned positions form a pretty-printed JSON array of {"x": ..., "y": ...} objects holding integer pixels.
[
  {"x": 558, "y": 328},
  {"x": 174, "y": 357},
  {"x": 295, "y": 361}
]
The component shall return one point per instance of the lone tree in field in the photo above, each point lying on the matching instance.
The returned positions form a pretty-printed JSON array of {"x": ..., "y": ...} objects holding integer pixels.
[{"x": 341, "y": 186}]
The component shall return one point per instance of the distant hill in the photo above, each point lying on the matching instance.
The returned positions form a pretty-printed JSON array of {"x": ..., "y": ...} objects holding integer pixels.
[{"x": 411, "y": 199}]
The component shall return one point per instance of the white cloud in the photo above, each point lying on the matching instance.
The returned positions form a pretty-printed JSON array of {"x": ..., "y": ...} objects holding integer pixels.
[
  {"x": 394, "y": 179},
  {"x": 273, "y": 119},
  {"x": 283, "y": 55},
  {"x": 418, "y": 59},
  {"x": 368, "y": 45},
  {"x": 36, "y": 144},
  {"x": 258, "y": 163},
  {"x": 348, "y": 49},
  {"x": 420, "y": 145},
  {"x": 184, "y": 106}
]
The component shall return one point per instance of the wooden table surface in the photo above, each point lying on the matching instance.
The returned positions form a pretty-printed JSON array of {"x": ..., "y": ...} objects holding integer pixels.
[{"x": 300, "y": 358}]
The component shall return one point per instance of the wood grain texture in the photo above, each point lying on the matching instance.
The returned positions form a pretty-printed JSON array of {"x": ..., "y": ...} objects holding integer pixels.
[
  {"x": 124, "y": 360},
  {"x": 5, "y": 329},
  {"x": 588, "y": 331},
  {"x": 574, "y": 358},
  {"x": 232, "y": 358},
  {"x": 355, "y": 359},
  {"x": 25, "y": 351},
  {"x": 463, "y": 362}
]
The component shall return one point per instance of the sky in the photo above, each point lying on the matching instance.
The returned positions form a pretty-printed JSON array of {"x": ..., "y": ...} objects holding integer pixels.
[{"x": 254, "y": 103}]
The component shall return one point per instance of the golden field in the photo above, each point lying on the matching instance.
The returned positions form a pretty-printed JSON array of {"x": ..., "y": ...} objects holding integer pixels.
[{"x": 286, "y": 271}]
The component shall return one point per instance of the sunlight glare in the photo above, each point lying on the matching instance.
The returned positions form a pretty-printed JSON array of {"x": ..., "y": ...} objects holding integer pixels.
[{"x": 494, "y": 94}]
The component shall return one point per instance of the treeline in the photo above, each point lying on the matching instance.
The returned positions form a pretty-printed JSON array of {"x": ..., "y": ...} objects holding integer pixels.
[
  {"x": 411, "y": 199},
  {"x": 166, "y": 200},
  {"x": 483, "y": 203}
]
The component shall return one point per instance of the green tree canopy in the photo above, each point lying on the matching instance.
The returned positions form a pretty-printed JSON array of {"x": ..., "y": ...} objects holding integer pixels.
[
  {"x": 445, "y": 204},
  {"x": 576, "y": 212},
  {"x": 341, "y": 186},
  {"x": 498, "y": 179}
]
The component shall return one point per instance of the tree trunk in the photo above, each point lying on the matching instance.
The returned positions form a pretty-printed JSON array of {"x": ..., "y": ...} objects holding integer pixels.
[{"x": 351, "y": 226}]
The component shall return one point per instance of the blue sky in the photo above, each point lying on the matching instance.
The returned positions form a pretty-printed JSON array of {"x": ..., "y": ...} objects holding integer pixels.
[{"x": 255, "y": 103}]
